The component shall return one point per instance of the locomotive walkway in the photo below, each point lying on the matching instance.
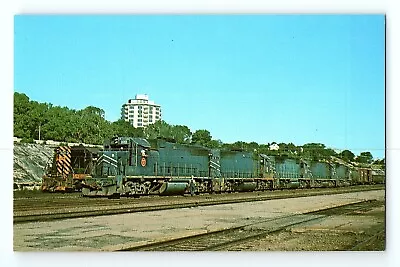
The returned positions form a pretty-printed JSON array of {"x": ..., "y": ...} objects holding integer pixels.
[{"x": 130, "y": 230}]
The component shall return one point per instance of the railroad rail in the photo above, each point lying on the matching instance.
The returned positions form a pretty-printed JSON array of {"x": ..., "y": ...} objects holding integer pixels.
[
  {"x": 367, "y": 242},
  {"x": 32, "y": 210},
  {"x": 234, "y": 238}
]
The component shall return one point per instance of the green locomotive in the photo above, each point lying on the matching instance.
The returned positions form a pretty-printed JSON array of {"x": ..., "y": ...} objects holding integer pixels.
[{"x": 135, "y": 167}]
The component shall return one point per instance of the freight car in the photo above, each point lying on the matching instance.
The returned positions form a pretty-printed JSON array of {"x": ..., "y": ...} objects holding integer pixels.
[
  {"x": 378, "y": 176},
  {"x": 136, "y": 167},
  {"x": 68, "y": 168}
]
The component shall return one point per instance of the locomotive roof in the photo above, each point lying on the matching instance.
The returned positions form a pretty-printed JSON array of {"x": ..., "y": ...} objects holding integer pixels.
[
  {"x": 125, "y": 141},
  {"x": 80, "y": 147},
  {"x": 141, "y": 142}
]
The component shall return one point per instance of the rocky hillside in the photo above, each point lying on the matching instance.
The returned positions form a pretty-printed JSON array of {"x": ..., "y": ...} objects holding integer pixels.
[{"x": 30, "y": 161}]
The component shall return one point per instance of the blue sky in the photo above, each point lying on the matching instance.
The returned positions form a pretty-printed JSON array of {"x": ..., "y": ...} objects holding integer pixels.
[{"x": 262, "y": 78}]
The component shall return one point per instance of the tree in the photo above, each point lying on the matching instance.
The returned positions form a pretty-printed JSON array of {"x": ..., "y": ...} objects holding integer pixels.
[
  {"x": 365, "y": 157},
  {"x": 317, "y": 151},
  {"x": 347, "y": 155},
  {"x": 238, "y": 145},
  {"x": 380, "y": 162},
  {"x": 253, "y": 145},
  {"x": 181, "y": 134},
  {"x": 214, "y": 144},
  {"x": 22, "y": 108},
  {"x": 159, "y": 129},
  {"x": 292, "y": 148},
  {"x": 95, "y": 111},
  {"x": 124, "y": 128},
  {"x": 58, "y": 123},
  {"x": 201, "y": 137}
]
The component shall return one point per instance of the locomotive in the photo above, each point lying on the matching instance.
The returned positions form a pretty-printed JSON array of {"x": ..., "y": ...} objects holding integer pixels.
[
  {"x": 136, "y": 167},
  {"x": 69, "y": 166}
]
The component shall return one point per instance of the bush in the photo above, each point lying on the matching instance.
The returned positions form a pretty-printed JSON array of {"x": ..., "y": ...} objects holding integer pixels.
[{"x": 27, "y": 140}]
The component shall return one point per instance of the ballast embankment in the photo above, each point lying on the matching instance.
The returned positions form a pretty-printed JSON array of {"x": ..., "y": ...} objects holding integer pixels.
[{"x": 30, "y": 161}]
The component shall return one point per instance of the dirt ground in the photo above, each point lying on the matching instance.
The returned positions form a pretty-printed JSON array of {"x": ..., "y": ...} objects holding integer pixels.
[
  {"x": 109, "y": 233},
  {"x": 335, "y": 233}
]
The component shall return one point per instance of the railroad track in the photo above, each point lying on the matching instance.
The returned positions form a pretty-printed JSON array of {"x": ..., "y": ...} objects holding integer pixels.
[
  {"x": 363, "y": 244},
  {"x": 34, "y": 210},
  {"x": 131, "y": 209},
  {"x": 234, "y": 238}
]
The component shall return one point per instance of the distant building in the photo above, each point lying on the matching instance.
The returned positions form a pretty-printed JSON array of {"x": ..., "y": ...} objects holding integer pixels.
[
  {"x": 274, "y": 146},
  {"x": 141, "y": 112}
]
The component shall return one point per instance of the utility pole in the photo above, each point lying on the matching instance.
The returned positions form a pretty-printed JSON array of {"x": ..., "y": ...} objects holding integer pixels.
[{"x": 39, "y": 132}]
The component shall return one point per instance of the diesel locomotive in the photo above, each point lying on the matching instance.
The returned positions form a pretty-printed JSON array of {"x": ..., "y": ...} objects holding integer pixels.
[
  {"x": 135, "y": 167},
  {"x": 68, "y": 168}
]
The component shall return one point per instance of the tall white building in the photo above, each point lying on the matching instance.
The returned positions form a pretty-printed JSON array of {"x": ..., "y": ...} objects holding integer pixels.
[{"x": 140, "y": 111}]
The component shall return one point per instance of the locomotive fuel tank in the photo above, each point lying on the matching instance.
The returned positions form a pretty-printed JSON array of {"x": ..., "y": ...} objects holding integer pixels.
[
  {"x": 245, "y": 186},
  {"x": 172, "y": 188}
]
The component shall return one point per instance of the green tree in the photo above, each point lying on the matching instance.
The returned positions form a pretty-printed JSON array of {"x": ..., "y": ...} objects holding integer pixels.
[
  {"x": 159, "y": 129},
  {"x": 201, "y": 137},
  {"x": 98, "y": 112},
  {"x": 124, "y": 128},
  {"x": 214, "y": 144},
  {"x": 181, "y": 134},
  {"x": 90, "y": 120},
  {"x": 253, "y": 145},
  {"x": 58, "y": 124},
  {"x": 239, "y": 145},
  {"x": 380, "y": 162},
  {"x": 365, "y": 157},
  {"x": 347, "y": 155},
  {"x": 263, "y": 148},
  {"x": 22, "y": 108},
  {"x": 314, "y": 151}
]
